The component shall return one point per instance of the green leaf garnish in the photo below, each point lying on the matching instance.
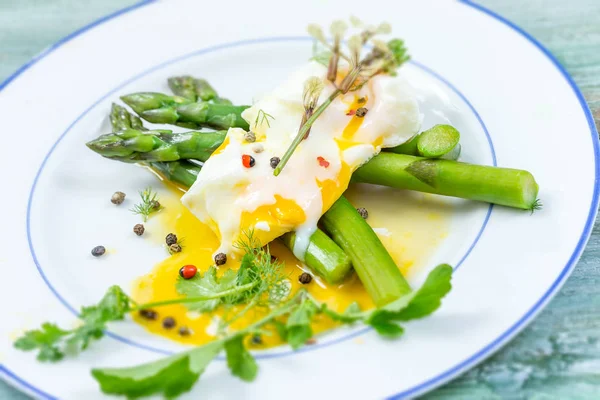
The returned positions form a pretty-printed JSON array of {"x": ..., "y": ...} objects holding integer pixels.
[
  {"x": 209, "y": 286},
  {"x": 148, "y": 204},
  {"x": 52, "y": 342},
  {"x": 262, "y": 117},
  {"x": 298, "y": 325},
  {"x": 239, "y": 360},
  {"x": 170, "y": 376}
]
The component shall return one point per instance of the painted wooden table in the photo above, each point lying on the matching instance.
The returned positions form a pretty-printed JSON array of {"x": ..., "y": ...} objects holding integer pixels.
[{"x": 558, "y": 355}]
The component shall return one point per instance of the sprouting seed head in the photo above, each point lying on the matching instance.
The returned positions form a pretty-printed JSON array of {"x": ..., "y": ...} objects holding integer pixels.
[
  {"x": 338, "y": 29},
  {"x": 355, "y": 46},
  {"x": 380, "y": 45},
  {"x": 355, "y": 21},
  {"x": 312, "y": 91},
  {"x": 384, "y": 28},
  {"x": 316, "y": 32}
]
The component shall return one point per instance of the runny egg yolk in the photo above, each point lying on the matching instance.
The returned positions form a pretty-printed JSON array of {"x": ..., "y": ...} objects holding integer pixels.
[{"x": 409, "y": 227}]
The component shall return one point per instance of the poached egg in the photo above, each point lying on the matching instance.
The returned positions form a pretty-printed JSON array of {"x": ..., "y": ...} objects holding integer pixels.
[{"x": 234, "y": 197}]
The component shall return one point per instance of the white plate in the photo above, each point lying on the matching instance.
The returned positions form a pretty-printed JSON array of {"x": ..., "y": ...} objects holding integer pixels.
[{"x": 514, "y": 104}]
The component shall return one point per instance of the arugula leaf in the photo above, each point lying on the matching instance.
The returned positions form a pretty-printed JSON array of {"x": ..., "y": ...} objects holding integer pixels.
[
  {"x": 239, "y": 360},
  {"x": 298, "y": 324},
  {"x": 177, "y": 374},
  {"x": 416, "y": 304},
  {"x": 52, "y": 341},
  {"x": 385, "y": 326},
  {"x": 169, "y": 376}
]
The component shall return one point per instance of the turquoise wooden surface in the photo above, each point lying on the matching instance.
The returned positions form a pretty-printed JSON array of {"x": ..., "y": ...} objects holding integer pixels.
[{"x": 558, "y": 355}]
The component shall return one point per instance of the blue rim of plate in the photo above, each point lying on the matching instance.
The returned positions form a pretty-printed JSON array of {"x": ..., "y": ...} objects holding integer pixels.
[{"x": 512, "y": 330}]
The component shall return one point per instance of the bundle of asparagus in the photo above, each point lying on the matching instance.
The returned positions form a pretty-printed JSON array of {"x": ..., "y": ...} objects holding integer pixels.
[{"x": 416, "y": 165}]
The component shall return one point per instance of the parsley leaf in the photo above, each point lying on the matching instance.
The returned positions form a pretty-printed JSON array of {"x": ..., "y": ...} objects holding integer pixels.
[
  {"x": 45, "y": 339},
  {"x": 239, "y": 360},
  {"x": 209, "y": 286},
  {"x": 298, "y": 329},
  {"x": 52, "y": 341}
]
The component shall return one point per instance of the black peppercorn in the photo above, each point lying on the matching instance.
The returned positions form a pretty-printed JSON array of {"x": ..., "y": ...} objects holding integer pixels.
[
  {"x": 171, "y": 239},
  {"x": 175, "y": 248},
  {"x": 220, "y": 258},
  {"x": 275, "y": 162},
  {"x": 305, "y": 278},
  {"x": 256, "y": 339},
  {"x": 184, "y": 331},
  {"x": 363, "y": 212},
  {"x": 117, "y": 198},
  {"x": 250, "y": 137},
  {"x": 139, "y": 229},
  {"x": 168, "y": 323},
  {"x": 149, "y": 314},
  {"x": 155, "y": 205},
  {"x": 361, "y": 112},
  {"x": 98, "y": 251}
]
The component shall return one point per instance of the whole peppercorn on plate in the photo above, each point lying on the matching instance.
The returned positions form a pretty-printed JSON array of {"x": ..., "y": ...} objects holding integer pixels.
[{"x": 370, "y": 207}]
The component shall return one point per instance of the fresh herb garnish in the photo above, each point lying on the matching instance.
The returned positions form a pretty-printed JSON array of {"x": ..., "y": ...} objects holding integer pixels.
[
  {"x": 262, "y": 117},
  {"x": 174, "y": 375},
  {"x": 52, "y": 342},
  {"x": 148, "y": 204},
  {"x": 383, "y": 58}
]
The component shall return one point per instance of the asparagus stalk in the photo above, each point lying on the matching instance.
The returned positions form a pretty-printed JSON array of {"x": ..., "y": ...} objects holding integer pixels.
[
  {"x": 376, "y": 268},
  {"x": 323, "y": 255},
  {"x": 373, "y": 264},
  {"x": 504, "y": 186},
  {"x": 121, "y": 119},
  {"x": 133, "y": 145},
  {"x": 440, "y": 141},
  {"x": 163, "y": 109},
  {"x": 508, "y": 187},
  {"x": 195, "y": 89}
]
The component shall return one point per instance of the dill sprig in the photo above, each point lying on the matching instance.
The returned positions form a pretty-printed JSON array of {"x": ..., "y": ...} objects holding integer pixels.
[
  {"x": 536, "y": 206},
  {"x": 262, "y": 117},
  {"x": 147, "y": 205},
  {"x": 259, "y": 282}
]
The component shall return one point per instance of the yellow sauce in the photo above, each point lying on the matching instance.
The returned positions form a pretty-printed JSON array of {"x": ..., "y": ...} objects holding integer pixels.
[
  {"x": 415, "y": 230},
  {"x": 407, "y": 226}
]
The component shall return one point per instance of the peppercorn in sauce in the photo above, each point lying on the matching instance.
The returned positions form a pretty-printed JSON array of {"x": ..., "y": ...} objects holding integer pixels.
[{"x": 410, "y": 233}]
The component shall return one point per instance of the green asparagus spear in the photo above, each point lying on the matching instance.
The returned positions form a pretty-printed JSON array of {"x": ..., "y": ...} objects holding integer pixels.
[
  {"x": 195, "y": 89},
  {"x": 440, "y": 141},
  {"x": 134, "y": 145},
  {"x": 508, "y": 187},
  {"x": 162, "y": 109},
  {"x": 373, "y": 264},
  {"x": 121, "y": 119},
  {"x": 504, "y": 186},
  {"x": 322, "y": 255},
  {"x": 376, "y": 267}
]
